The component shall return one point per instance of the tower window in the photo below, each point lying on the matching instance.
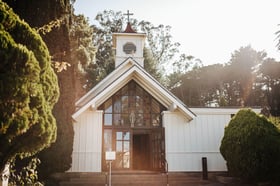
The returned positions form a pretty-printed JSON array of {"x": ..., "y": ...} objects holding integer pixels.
[{"x": 129, "y": 48}]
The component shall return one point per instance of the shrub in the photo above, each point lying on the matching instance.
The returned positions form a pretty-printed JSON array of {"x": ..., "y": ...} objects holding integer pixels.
[{"x": 251, "y": 147}]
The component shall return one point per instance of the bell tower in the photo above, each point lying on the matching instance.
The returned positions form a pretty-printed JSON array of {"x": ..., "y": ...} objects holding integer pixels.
[{"x": 129, "y": 44}]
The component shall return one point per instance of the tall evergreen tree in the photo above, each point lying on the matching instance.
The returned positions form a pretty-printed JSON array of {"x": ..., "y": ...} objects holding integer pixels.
[
  {"x": 83, "y": 52},
  {"x": 241, "y": 70},
  {"x": 37, "y": 14},
  {"x": 270, "y": 84},
  {"x": 28, "y": 89}
]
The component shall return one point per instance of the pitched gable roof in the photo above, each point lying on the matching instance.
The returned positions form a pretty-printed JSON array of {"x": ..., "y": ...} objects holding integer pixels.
[{"x": 125, "y": 72}]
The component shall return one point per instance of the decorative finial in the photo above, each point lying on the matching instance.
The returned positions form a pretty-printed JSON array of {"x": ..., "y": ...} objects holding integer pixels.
[{"x": 128, "y": 14}]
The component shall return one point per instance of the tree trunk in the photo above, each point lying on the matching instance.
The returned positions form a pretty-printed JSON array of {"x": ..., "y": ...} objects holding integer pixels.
[{"x": 5, "y": 175}]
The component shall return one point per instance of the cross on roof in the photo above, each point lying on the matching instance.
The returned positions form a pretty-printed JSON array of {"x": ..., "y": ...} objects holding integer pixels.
[{"x": 128, "y": 14}]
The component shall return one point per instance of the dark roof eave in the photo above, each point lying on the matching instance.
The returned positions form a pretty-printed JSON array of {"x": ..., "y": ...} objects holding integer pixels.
[{"x": 129, "y": 29}]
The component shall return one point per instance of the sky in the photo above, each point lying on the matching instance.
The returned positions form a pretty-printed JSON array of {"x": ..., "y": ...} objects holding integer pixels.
[{"x": 210, "y": 30}]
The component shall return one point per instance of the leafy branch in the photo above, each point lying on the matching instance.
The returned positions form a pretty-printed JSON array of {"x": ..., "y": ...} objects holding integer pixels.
[{"x": 50, "y": 26}]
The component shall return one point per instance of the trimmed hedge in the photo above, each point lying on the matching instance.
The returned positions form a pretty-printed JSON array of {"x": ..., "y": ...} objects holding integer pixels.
[{"x": 251, "y": 147}]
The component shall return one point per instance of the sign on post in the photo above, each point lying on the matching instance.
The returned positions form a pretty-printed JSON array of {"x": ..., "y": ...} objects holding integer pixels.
[{"x": 110, "y": 155}]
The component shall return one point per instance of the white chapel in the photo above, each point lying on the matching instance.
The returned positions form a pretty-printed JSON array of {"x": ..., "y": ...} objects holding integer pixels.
[{"x": 132, "y": 114}]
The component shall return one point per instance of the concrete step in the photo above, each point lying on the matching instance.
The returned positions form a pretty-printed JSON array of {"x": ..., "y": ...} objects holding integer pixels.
[{"x": 133, "y": 179}]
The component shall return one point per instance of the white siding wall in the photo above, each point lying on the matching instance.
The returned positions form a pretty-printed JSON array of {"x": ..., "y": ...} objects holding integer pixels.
[
  {"x": 87, "y": 146},
  {"x": 187, "y": 143}
]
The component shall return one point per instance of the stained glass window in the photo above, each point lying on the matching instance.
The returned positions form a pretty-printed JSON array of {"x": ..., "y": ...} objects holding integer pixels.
[{"x": 132, "y": 106}]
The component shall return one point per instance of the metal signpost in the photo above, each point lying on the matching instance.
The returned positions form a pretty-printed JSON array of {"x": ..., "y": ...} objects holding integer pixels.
[{"x": 110, "y": 156}]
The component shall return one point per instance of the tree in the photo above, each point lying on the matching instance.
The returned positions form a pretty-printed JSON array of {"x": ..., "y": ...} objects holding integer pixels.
[
  {"x": 39, "y": 13},
  {"x": 251, "y": 147},
  {"x": 161, "y": 49},
  {"x": 270, "y": 84},
  {"x": 250, "y": 78},
  {"x": 201, "y": 86},
  {"x": 82, "y": 52},
  {"x": 241, "y": 75},
  {"x": 109, "y": 22},
  {"x": 28, "y": 89},
  {"x": 179, "y": 68},
  {"x": 69, "y": 42},
  {"x": 150, "y": 65}
]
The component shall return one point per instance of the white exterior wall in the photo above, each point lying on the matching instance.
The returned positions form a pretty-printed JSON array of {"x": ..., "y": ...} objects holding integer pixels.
[
  {"x": 187, "y": 143},
  {"x": 87, "y": 147}
]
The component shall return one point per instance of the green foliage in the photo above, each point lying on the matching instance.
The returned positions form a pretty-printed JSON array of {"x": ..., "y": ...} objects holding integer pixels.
[
  {"x": 200, "y": 86},
  {"x": 109, "y": 22},
  {"x": 69, "y": 39},
  {"x": 270, "y": 85},
  {"x": 56, "y": 158},
  {"x": 83, "y": 52},
  {"x": 28, "y": 89},
  {"x": 249, "y": 79},
  {"x": 251, "y": 147},
  {"x": 161, "y": 48},
  {"x": 150, "y": 65},
  {"x": 50, "y": 26},
  {"x": 242, "y": 68},
  {"x": 275, "y": 121},
  {"x": 24, "y": 172},
  {"x": 81, "y": 40}
]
